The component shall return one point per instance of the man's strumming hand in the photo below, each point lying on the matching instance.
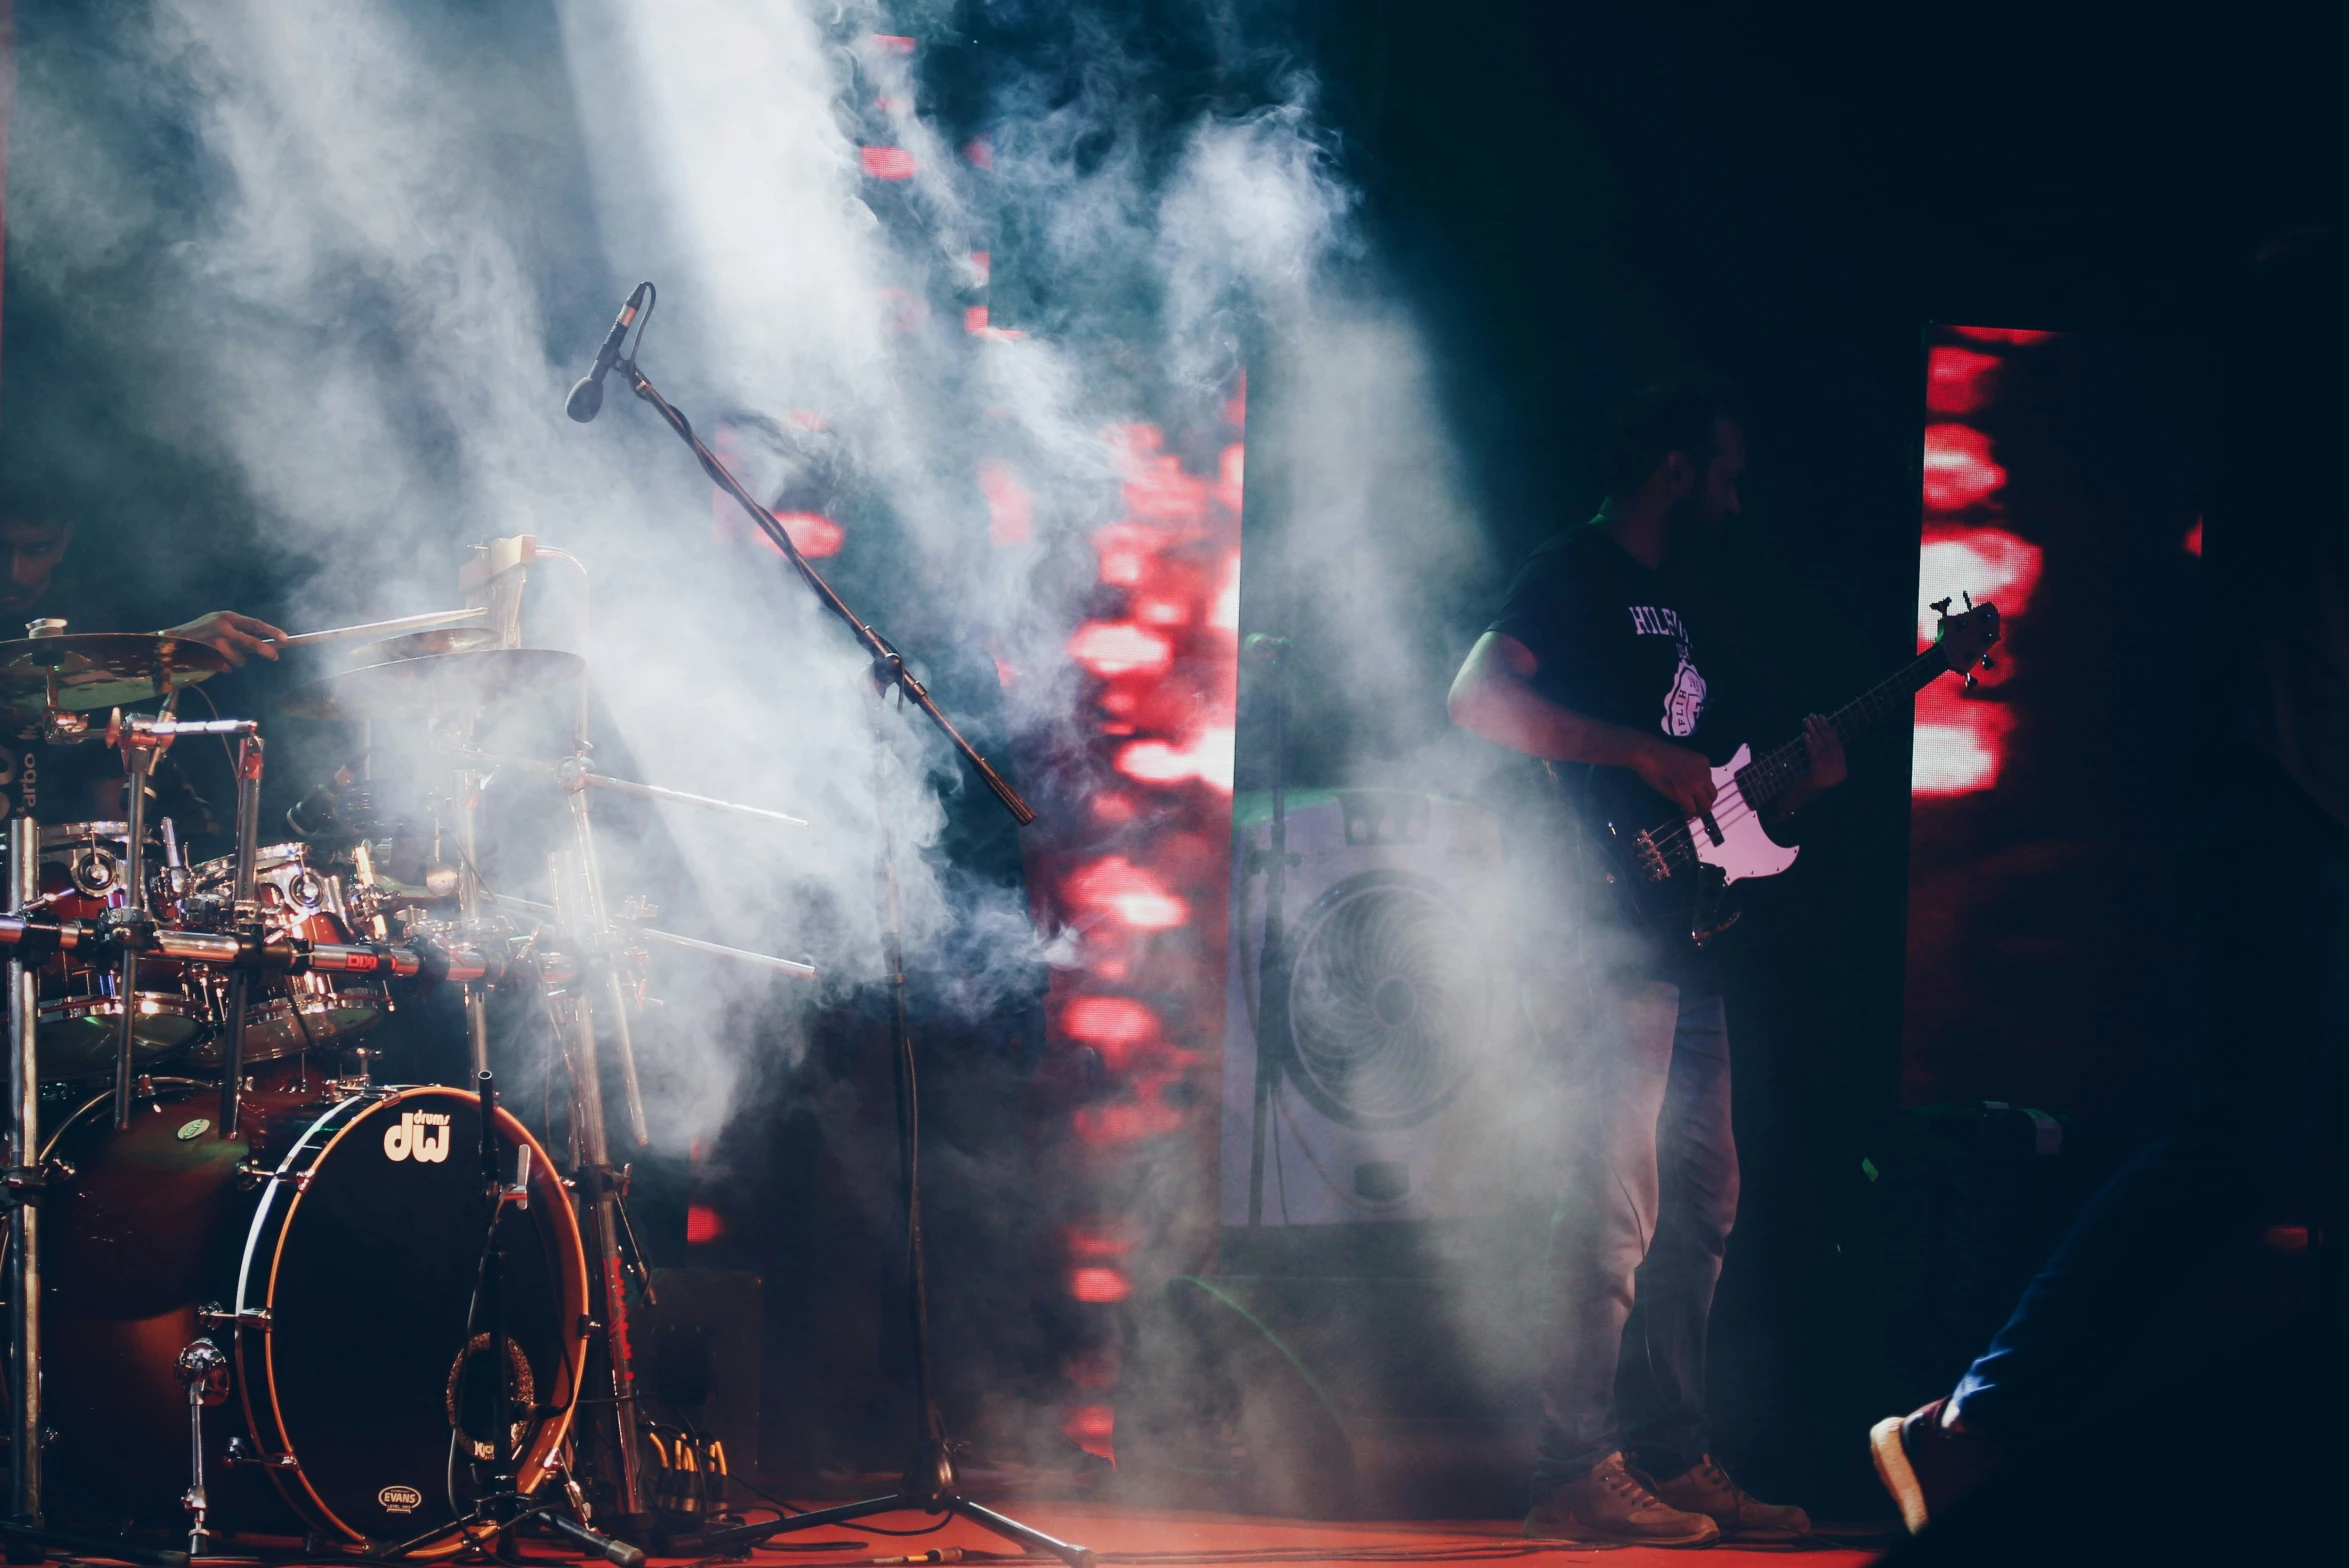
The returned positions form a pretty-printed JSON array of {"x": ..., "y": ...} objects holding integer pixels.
[{"x": 1680, "y": 775}]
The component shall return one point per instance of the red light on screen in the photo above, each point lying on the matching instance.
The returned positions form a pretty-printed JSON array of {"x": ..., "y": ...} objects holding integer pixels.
[
  {"x": 1114, "y": 1023},
  {"x": 1129, "y": 894},
  {"x": 887, "y": 163},
  {"x": 1083, "y": 1242},
  {"x": 1958, "y": 381},
  {"x": 1959, "y": 472},
  {"x": 1099, "y": 1285},
  {"x": 1960, "y": 743},
  {"x": 1113, "y": 648},
  {"x": 816, "y": 535},
  {"x": 1011, "y": 510},
  {"x": 703, "y": 1224},
  {"x": 1091, "y": 1427},
  {"x": 1206, "y": 757},
  {"x": 1986, "y": 563},
  {"x": 2020, "y": 337},
  {"x": 2193, "y": 541}
]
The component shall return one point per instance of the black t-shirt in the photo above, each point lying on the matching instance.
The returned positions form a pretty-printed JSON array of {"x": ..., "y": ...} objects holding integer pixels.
[{"x": 1611, "y": 642}]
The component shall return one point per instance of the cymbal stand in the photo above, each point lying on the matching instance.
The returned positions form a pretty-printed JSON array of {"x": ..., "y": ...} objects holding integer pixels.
[
  {"x": 24, "y": 1187},
  {"x": 469, "y": 912},
  {"x": 28, "y": 1536},
  {"x": 572, "y": 1016},
  {"x": 618, "y": 994},
  {"x": 130, "y": 928},
  {"x": 247, "y": 920},
  {"x": 929, "y": 1484}
]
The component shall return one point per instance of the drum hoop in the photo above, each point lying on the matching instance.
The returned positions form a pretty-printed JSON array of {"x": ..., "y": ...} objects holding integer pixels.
[
  {"x": 49, "y": 1140},
  {"x": 174, "y": 1003},
  {"x": 571, "y": 1264}
]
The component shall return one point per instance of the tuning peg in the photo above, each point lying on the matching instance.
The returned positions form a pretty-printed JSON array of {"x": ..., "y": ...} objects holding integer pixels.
[
  {"x": 1971, "y": 683},
  {"x": 1941, "y": 606},
  {"x": 1969, "y": 598},
  {"x": 1989, "y": 663}
]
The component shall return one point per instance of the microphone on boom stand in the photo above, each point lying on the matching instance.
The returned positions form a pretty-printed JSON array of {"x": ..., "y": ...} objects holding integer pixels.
[{"x": 587, "y": 397}]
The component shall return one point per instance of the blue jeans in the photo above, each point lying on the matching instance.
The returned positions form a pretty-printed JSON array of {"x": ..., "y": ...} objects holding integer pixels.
[{"x": 1647, "y": 1195}]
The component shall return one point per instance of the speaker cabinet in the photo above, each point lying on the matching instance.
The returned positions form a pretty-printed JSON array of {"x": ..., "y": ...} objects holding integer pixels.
[
  {"x": 698, "y": 1357},
  {"x": 1365, "y": 1054}
]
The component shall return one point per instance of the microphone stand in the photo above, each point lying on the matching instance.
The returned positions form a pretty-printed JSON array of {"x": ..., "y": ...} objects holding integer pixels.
[
  {"x": 929, "y": 1484},
  {"x": 888, "y": 664}
]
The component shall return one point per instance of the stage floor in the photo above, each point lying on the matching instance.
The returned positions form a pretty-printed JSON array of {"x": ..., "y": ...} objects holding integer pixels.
[{"x": 1166, "y": 1536}]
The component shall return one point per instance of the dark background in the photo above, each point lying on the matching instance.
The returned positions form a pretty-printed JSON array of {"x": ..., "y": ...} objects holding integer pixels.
[
  {"x": 1577, "y": 198},
  {"x": 1582, "y": 197}
]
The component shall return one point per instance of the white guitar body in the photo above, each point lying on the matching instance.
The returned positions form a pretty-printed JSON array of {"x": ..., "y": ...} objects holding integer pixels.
[{"x": 1730, "y": 835}]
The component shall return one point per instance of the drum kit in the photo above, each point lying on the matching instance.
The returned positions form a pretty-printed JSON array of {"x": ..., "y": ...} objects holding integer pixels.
[
  {"x": 212, "y": 1206},
  {"x": 246, "y": 1280}
]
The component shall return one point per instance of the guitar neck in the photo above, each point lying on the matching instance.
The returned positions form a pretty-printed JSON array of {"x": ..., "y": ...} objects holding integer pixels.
[{"x": 1772, "y": 775}]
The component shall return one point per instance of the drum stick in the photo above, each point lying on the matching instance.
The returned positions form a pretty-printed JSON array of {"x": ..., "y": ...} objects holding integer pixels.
[{"x": 404, "y": 623}]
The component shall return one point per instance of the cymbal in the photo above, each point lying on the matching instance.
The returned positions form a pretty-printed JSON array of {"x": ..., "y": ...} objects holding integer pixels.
[
  {"x": 415, "y": 645},
  {"x": 436, "y": 682},
  {"x": 101, "y": 669}
]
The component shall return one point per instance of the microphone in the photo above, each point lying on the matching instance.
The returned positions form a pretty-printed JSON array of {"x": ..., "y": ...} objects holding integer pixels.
[
  {"x": 587, "y": 398},
  {"x": 317, "y": 815}
]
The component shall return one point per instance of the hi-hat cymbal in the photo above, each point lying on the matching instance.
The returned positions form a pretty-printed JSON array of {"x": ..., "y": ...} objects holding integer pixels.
[
  {"x": 84, "y": 670},
  {"x": 435, "y": 683}
]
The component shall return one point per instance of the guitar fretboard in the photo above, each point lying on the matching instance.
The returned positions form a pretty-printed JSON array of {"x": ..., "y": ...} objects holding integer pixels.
[{"x": 1768, "y": 777}]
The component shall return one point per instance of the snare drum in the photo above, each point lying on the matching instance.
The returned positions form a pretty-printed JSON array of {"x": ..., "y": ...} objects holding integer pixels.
[
  {"x": 289, "y": 1014},
  {"x": 83, "y": 875}
]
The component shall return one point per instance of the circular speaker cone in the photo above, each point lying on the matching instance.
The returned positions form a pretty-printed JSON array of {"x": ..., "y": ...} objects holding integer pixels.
[{"x": 1389, "y": 1000}]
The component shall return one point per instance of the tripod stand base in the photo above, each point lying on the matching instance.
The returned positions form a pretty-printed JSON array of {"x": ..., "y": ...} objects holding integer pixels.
[{"x": 1035, "y": 1541}]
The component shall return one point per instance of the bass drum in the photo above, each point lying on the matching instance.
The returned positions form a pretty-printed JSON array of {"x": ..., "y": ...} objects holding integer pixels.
[{"x": 349, "y": 1269}]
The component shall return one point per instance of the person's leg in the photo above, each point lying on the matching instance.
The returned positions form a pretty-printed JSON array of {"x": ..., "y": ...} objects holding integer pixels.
[
  {"x": 1614, "y": 1077},
  {"x": 2273, "y": 950},
  {"x": 2276, "y": 955},
  {"x": 2114, "y": 1268},
  {"x": 1660, "y": 1381}
]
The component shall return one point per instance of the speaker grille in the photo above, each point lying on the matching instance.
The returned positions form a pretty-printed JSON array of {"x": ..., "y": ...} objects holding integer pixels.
[{"x": 1389, "y": 1000}]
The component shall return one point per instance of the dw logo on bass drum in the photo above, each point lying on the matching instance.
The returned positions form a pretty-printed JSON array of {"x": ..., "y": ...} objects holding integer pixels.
[{"x": 423, "y": 1135}]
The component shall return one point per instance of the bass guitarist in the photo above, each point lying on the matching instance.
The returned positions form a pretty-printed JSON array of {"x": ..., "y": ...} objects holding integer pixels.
[{"x": 1596, "y": 666}]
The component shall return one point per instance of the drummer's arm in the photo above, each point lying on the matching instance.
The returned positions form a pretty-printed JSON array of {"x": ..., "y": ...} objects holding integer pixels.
[{"x": 234, "y": 635}]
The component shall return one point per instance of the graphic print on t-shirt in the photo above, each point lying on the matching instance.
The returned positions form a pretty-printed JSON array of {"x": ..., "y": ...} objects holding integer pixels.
[{"x": 1684, "y": 704}]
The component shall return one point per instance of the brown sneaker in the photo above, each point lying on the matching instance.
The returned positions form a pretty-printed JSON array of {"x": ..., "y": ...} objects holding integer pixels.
[
  {"x": 1705, "y": 1488},
  {"x": 1928, "y": 1466},
  {"x": 1608, "y": 1505}
]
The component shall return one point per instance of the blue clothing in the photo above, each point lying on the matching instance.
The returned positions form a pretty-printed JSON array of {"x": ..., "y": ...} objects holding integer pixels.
[{"x": 1645, "y": 1203}]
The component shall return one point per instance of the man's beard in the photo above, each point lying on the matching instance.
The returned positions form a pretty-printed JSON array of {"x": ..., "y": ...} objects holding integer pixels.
[{"x": 1689, "y": 532}]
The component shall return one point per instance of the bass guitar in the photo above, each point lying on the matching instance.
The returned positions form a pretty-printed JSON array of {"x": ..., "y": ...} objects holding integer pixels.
[{"x": 1675, "y": 877}]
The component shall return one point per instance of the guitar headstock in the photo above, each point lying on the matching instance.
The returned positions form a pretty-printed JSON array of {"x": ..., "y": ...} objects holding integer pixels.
[{"x": 1966, "y": 638}]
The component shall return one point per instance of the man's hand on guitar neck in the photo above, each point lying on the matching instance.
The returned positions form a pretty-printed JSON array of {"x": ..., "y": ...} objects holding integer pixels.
[{"x": 1828, "y": 767}]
